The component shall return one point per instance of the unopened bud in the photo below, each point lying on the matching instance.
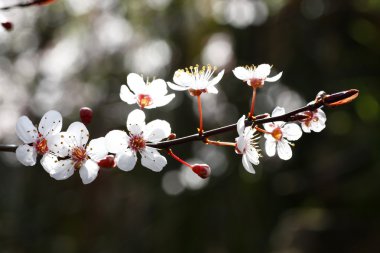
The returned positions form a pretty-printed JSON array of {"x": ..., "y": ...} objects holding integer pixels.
[
  {"x": 7, "y": 25},
  {"x": 85, "y": 114},
  {"x": 172, "y": 136},
  {"x": 202, "y": 170},
  {"x": 107, "y": 162}
]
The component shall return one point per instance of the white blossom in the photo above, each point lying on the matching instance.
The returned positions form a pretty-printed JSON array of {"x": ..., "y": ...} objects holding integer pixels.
[
  {"x": 126, "y": 146},
  {"x": 146, "y": 94},
  {"x": 247, "y": 145},
  {"x": 197, "y": 80},
  {"x": 316, "y": 121},
  {"x": 279, "y": 134},
  {"x": 69, "y": 152},
  {"x": 256, "y": 76},
  {"x": 36, "y": 140}
]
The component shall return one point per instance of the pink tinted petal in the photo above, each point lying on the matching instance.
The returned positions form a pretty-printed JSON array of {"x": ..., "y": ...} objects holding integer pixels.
[
  {"x": 25, "y": 130},
  {"x": 50, "y": 124},
  {"x": 284, "y": 151},
  {"x": 26, "y": 155}
]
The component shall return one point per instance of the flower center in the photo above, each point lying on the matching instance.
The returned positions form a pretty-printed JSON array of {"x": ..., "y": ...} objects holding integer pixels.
[
  {"x": 277, "y": 133},
  {"x": 137, "y": 143},
  {"x": 41, "y": 146},
  {"x": 256, "y": 82},
  {"x": 78, "y": 155},
  {"x": 144, "y": 100}
]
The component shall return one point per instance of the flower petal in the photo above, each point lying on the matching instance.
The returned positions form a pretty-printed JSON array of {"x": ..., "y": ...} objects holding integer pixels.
[
  {"x": 27, "y": 155},
  {"x": 116, "y": 141},
  {"x": 241, "y": 144},
  {"x": 269, "y": 127},
  {"x": 136, "y": 121},
  {"x": 292, "y": 131},
  {"x": 284, "y": 151},
  {"x": 216, "y": 79},
  {"x": 305, "y": 128},
  {"x": 151, "y": 159},
  {"x": 89, "y": 171},
  {"x": 241, "y": 125},
  {"x": 253, "y": 155},
  {"x": 262, "y": 71},
  {"x": 96, "y": 149},
  {"x": 157, "y": 88},
  {"x": 274, "y": 78},
  {"x": 270, "y": 147},
  {"x": 212, "y": 90},
  {"x": 77, "y": 134},
  {"x": 136, "y": 83},
  {"x": 247, "y": 165},
  {"x": 126, "y": 95},
  {"x": 62, "y": 169},
  {"x": 49, "y": 162},
  {"x": 50, "y": 124},
  {"x": 25, "y": 130},
  {"x": 157, "y": 130},
  {"x": 161, "y": 101},
  {"x": 126, "y": 160},
  {"x": 58, "y": 144},
  {"x": 177, "y": 87},
  {"x": 278, "y": 111},
  {"x": 242, "y": 73}
]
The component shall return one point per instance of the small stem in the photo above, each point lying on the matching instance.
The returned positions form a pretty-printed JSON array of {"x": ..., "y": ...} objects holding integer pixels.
[
  {"x": 170, "y": 152},
  {"x": 200, "y": 115},
  {"x": 262, "y": 130},
  {"x": 250, "y": 114},
  {"x": 220, "y": 143}
]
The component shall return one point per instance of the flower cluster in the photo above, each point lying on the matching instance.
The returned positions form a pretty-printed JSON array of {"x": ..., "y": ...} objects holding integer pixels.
[{"x": 64, "y": 152}]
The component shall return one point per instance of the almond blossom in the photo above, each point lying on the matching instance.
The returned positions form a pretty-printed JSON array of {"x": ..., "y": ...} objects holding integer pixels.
[
  {"x": 196, "y": 80},
  {"x": 256, "y": 76},
  {"x": 316, "y": 121},
  {"x": 146, "y": 94},
  {"x": 126, "y": 146},
  {"x": 279, "y": 134},
  {"x": 69, "y": 152},
  {"x": 36, "y": 140},
  {"x": 247, "y": 145}
]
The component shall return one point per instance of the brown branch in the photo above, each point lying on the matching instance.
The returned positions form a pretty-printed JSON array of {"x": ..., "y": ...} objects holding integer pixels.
[{"x": 321, "y": 100}]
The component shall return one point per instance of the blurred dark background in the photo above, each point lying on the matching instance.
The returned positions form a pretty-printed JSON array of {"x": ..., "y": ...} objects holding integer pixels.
[{"x": 76, "y": 53}]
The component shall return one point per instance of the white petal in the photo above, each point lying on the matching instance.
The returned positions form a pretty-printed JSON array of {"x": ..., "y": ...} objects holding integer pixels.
[
  {"x": 305, "y": 128},
  {"x": 126, "y": 160},
  {"x": 96, "y": 149},
  {"x": 270, "y": 147},
  {"x": 278, "y": 111},
  {"x": 157, "y": 130},
  {"x": 242, "y": 73},
  {"x": 25, "y": 130},
  {"x": 274, "y": 78},
  {"x": 89, "y": 171},
  {"x": 151, "y": 159},
  {"x": 116, "y": 141},
  {"x": 241, "y": 125},
  {"x": 78, "y": 134},
  {"x": 27, "y": 155},
  {"x": 51, "y": 123},
  {"x": 321, "y": 115},
  {"x": 62, "y": 170},
  {"x": 58, "y": 144},
  {"x": 182, "y": 78},
  {"x": 284, "y": 151},
  {"x": 136, "y": 121},
  {"x": 262, "y": 71},
  {"x": 247, "y": 165},
  {"x": 318, "y": 126},
  {"x": 126, "y": 95},
  {"x": 216, "y": 79},
  {"x": 49, "y": 162},
  {"x": 157, "y": 88},
  {"x": 292, "y": 131},
  {"x": 177, "y": 87},
  {"x": 136, "y": 83},
  {"x": 241, "y": 144},
  {"x": 212, "y": 90},
  {"x": 253, "y": 155},
  {"x": 269, "y": 127},
  {"x": 161, "y": 101}
]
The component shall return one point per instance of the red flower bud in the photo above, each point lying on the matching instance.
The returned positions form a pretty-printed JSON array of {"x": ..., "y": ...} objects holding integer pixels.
[
  {"x": 85, "y": 114},
  {"x": 202, "y": 170},
  {"x": 7, "y": 25},
  {"x": 107, "y": 162}
]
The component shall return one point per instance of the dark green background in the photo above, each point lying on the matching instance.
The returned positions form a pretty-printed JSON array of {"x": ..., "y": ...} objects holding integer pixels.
[{"x": 325, "y": 199}]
